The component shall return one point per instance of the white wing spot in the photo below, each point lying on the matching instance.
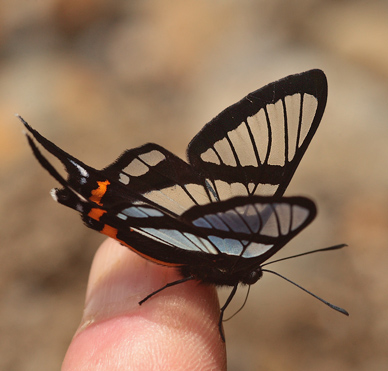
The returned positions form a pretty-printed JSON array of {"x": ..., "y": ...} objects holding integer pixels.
[
  {"x": 53, "y": 194},
  {"x": 81, "y": 170}
]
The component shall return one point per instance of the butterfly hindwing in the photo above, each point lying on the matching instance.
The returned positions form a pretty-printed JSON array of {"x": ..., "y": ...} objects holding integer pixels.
[
  {"x": 254, "y": 227},
  {"x": 251, "y": 228},
  {"x": 255, "y": 145}
]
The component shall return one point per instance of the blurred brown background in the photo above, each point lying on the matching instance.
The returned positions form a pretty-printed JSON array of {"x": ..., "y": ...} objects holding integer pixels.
[{"x": 98, "y": 77}]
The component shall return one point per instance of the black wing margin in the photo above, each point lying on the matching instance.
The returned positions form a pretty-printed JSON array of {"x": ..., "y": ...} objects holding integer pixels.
[{"x": 254, "y": 146}]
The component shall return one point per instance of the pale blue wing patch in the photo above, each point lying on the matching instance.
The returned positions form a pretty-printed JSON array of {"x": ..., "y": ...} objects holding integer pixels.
[
  {"x": 273, "y": 220},
  {"x": 255, "y": 249},
  {"x": 175, "y": 238},
  {"x": 228, "y": 246},
  {"x": 139, "y": 212}
]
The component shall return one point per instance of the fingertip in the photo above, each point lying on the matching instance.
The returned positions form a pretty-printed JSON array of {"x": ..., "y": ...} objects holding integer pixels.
[{"x": 174, "y": 327}]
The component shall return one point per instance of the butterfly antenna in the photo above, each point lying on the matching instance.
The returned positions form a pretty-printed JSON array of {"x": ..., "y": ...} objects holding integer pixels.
[
  {"x": 330, "y": 248},
  {"x": 332, "y": 306},
  {"x": 242, "y": 306}
]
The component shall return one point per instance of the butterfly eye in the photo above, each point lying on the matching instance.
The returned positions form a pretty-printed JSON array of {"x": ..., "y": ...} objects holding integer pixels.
[{"x": 253, "y": 276}]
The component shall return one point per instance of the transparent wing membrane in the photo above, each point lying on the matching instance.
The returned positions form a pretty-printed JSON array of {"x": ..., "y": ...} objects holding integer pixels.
[{"x": 255, "y": 146}]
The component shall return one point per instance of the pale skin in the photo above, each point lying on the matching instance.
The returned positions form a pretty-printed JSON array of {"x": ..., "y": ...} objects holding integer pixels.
[{"x": 177, "y": 329}]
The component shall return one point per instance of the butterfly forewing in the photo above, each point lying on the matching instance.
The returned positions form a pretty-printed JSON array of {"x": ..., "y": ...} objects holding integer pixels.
[
  {"x": 159, "y": 177},
  {"x": 254, "y": 146}
]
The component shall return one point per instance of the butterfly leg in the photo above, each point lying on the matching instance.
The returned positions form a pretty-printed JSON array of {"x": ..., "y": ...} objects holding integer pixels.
[
  {"x": 222, "y": 310},
  {"x": 182, "y": 280}
]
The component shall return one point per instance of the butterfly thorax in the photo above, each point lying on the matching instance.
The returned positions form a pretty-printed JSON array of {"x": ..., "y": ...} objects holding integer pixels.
[{"x": 222, "y": 276}]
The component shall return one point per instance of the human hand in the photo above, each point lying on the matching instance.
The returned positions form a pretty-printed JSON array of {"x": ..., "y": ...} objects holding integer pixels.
[{"x": 177, "y": 329}]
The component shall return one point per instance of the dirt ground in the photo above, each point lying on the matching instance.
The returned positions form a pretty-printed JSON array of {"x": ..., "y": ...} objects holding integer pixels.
[{"x": 98, "y": 77}]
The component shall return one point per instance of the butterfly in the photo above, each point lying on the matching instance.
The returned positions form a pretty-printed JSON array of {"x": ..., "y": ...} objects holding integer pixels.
[{"x": 218, "y": 217}]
